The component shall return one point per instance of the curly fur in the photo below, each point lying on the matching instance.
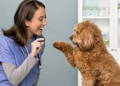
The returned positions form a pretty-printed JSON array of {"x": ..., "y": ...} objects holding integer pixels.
[{"x": 90, "y": 56}]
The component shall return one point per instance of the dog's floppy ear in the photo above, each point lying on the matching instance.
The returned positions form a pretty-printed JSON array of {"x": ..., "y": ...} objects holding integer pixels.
[{"x": 86, "y": 40}]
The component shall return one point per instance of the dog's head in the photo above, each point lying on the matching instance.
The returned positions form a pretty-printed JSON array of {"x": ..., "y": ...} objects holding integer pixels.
[{"x": 86, "y": 35}]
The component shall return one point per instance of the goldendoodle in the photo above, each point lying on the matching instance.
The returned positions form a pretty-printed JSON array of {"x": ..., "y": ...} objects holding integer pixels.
[{"x": 90, "y": 56}]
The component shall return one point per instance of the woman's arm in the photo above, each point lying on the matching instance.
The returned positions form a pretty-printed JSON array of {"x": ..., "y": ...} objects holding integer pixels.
[{"x": 16, "y": 75}]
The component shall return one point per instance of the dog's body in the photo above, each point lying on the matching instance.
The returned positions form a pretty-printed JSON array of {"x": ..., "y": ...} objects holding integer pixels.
[{"x": 90, "y": 56}]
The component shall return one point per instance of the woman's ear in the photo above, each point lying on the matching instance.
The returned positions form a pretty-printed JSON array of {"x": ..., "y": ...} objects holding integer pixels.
[
  {"x": 86, "y": 40},
  {"x": 27, "y": 23}
]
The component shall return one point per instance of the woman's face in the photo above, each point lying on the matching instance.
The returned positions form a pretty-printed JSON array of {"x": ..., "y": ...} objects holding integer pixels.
[{"x": 35, "y": 26}]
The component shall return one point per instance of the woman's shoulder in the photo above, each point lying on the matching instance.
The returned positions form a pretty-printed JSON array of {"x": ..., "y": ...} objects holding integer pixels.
[{"x": 5, "y": 39}]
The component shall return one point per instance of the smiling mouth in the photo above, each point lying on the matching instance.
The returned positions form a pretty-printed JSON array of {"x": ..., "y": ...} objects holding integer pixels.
[{"x": 41, "y": 29}]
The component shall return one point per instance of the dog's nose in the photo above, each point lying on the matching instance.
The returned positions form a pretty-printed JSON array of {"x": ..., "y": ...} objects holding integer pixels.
[{"x": 71, "y": 37}]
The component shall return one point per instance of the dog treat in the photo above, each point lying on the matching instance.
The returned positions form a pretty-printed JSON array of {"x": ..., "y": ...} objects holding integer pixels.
[
  {"x": 37, "y": 47},
  {"x": 41, "y": 40}
]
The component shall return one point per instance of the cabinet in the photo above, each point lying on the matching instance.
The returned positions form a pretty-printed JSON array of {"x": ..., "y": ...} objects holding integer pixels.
[{"x": 106, "y": 14}]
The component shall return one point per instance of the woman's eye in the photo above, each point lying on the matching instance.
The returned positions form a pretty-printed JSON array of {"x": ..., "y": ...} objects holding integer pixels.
[{"x": 40, "y": 19}]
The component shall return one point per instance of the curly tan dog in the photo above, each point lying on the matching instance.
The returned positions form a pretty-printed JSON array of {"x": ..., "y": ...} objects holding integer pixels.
[{"x": 90, "y": 56}]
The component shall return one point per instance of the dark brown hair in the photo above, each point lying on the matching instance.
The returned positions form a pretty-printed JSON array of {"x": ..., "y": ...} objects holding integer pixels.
[{"x": 25, "y": 11}]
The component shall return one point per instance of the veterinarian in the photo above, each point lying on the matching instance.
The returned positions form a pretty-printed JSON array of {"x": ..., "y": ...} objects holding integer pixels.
[{"x": 22, "y": 46}]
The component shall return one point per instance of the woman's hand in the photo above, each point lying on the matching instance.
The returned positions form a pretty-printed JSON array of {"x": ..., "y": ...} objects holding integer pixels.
[{"x": 37, "y": 45}]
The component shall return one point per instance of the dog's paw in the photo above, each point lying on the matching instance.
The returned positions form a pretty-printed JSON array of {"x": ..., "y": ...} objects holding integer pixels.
[
  {"x": 63, "y": 46},
  {"x": 58, "y": 44}
]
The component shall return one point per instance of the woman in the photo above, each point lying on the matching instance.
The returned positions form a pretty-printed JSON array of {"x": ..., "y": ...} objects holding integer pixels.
[{"x": 22, "y": 45}]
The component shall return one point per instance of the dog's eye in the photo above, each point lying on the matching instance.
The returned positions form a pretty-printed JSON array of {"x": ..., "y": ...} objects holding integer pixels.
[{"x": 77, "y": 32}]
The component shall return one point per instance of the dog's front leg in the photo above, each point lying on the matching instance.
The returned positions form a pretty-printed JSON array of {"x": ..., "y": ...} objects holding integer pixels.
[
  {"x": 67, "y": 49},
  {"x": 88, "y": 82},
  {"x": 89, "y": 78}
]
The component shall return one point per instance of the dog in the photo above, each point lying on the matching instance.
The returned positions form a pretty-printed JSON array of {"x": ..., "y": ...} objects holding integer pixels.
[{"x": 90, "y": 56}]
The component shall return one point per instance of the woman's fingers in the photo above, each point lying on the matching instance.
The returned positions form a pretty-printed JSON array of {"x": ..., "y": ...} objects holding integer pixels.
[
  {"x": 41, "y": 42},
  {"x": 37, "y": 45}
]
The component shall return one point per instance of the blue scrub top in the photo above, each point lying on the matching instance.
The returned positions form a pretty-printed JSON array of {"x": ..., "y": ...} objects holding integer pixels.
[{"x": 13, "y": 53}]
